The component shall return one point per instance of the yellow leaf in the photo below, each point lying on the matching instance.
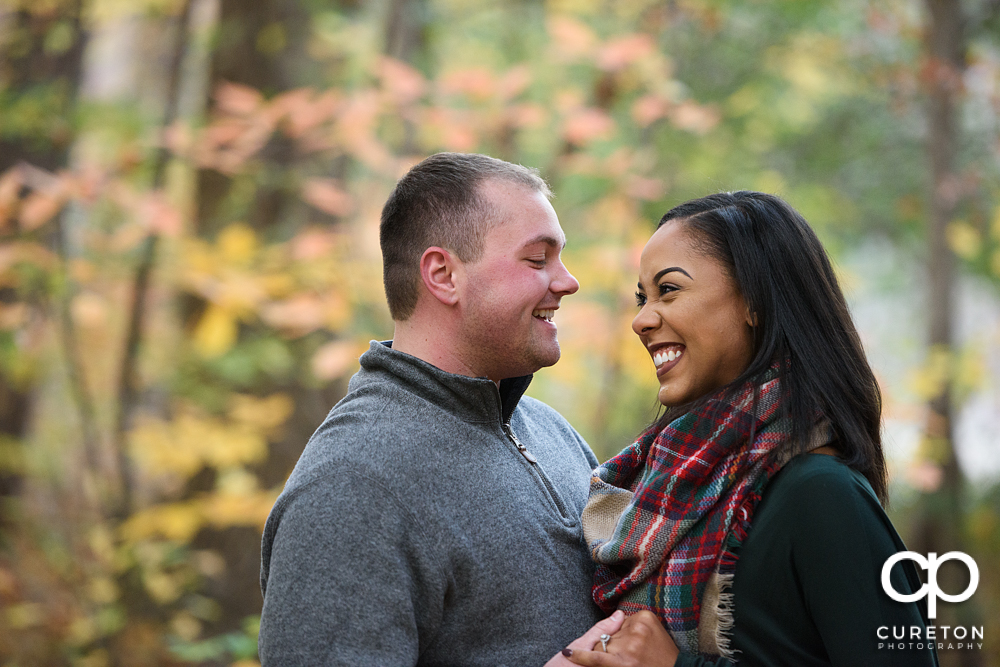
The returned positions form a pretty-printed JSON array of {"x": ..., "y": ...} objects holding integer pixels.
[
  {"x": 102, "y": 590},
  {"x": 264, "y": 413},
  {"x": 186, "y": 626},
  {"x": 216, "y": 332},
  {"x": 25, "y": 615},
  {"x": 237, "y": 243},
  {"x": 928, "y": 381},
  {"x": 162, "y": 587},
  {"x": 964, "y": 239},
  {"x": 175, "y": 521}
]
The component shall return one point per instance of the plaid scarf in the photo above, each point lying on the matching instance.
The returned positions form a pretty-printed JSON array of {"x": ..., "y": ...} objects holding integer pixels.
[{"x": 666, "y": 516}]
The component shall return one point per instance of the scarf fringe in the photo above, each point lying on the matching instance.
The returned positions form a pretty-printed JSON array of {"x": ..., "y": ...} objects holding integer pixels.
[{"x": 724, "y": 618}]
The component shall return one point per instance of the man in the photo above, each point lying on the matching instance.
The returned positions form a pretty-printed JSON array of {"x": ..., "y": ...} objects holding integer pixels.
[{"x": 434, "y": 517}]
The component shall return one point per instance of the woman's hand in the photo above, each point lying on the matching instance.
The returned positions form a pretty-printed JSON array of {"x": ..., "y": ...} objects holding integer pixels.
[
  {"x": 642, "y": 642},
  {"x": 609, "y": 626}
]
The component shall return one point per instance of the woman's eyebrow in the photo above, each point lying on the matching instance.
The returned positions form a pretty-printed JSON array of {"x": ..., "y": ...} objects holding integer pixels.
[{"x": 672, "y": 268}]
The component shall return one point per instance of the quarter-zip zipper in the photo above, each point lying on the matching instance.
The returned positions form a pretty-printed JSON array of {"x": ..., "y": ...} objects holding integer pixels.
[
  {"x": 517, "y": 443},
  {"x": 548, "y": 488}
]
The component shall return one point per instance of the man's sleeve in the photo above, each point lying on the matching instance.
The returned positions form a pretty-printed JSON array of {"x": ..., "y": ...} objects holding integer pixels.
[{"x": 348, "y": 578}]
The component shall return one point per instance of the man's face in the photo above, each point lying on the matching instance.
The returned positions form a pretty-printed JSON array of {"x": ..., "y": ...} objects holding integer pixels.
[{"x": 511, "y": 293}]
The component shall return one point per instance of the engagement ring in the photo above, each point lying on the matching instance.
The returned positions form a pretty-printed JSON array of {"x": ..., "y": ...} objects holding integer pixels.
[{"x": 604, "y": 641}]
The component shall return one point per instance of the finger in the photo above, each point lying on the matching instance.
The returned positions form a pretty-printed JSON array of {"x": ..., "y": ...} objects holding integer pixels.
[
  {"x": 595, "y": 659},
  {"x": 609, "y": 626}
]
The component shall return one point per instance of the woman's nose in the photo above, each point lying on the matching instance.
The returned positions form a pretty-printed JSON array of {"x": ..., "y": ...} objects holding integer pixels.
[{"x": 645, "y": 321}]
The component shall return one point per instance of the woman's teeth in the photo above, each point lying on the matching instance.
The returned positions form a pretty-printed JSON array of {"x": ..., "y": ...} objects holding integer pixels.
[
  {"x": 545, "y": 314},
  {"x": 662, "y": 357}
]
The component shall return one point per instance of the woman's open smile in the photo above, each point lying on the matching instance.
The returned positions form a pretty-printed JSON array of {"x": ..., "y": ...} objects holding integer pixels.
[{"x": 692, "y": 318}]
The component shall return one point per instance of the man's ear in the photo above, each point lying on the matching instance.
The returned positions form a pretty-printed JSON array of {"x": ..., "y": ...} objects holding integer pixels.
[{"x": 438, "y": 268}]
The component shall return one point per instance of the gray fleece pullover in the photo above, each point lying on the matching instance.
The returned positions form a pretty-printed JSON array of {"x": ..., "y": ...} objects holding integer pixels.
[{"x": 414, "y": 531}]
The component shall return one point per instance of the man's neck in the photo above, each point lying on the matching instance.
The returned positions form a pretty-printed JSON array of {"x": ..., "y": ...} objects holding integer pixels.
[{"x": 436, "y": 345}]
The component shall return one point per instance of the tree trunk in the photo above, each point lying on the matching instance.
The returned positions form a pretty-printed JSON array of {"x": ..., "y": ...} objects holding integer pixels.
[
  {"x": 41, "y": 57},
  {"x": 941, "y": 520}
]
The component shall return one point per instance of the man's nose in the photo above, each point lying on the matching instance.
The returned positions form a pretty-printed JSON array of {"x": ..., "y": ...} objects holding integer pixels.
[{"x": 564, "y": 282}]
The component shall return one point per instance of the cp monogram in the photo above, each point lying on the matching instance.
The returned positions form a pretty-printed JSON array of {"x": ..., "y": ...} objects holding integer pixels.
[{"x": 931, "y": 564}]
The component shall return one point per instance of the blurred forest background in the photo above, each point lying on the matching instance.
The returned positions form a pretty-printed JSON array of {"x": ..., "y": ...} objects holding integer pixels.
[{"x": 189, "y": 263}]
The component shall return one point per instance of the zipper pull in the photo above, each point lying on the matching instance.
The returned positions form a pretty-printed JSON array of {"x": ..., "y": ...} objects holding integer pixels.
[{"x": 517, "y": 443}]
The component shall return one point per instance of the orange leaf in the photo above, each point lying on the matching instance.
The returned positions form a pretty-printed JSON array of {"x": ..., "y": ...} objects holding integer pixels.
[
  {"x": 38, "y": 209},
  {"x": 237, "y": 99},
  {"x": 160, "y": 216},
  {"x": 334, "y": 359},
  {"x": 297, "y": 316},
  {"x": 403, "y": 83},
  {"x": 312, "y": 244},
  {"x": 476, "y": 82},
  {"x": 514, "y": 82},
  {"x": 622, "y": 52},
  {"x": 326, "y": 195},
  {"x": 586, "y": 125},
  {"x": 649, "y": 189},
  {"x": 648, "y": 109},
  {"x": 694, "y": 117},
  {"x": 570, "y": 37}
]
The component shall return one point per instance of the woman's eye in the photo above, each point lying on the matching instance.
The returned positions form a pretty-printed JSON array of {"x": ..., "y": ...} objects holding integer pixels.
[
  {"x": 640, "y": 299},
  {"x": 666, "y": 288}
]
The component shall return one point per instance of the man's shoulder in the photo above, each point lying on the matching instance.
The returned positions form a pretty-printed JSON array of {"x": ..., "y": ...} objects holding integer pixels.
[
  {"x": 536, "y": 409},
  {"x": 546, "y": 424}
]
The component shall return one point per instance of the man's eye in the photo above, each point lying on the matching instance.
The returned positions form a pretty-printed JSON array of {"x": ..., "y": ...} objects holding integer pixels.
[
  {"x": 640, "y": 299},
  {"x": 538, "y": 261}
]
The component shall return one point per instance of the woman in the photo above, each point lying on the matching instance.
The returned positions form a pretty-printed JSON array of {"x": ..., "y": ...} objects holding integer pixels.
[{"x": 748, "y": 521}]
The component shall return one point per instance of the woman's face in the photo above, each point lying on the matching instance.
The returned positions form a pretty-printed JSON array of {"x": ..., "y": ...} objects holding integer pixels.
[{"x": 692, "y": 319}]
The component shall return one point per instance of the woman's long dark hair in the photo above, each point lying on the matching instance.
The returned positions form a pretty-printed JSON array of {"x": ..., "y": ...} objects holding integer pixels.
[{"x": 802, "y": 320}]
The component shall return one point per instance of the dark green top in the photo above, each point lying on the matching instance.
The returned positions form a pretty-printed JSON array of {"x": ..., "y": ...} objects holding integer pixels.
[{"x": 807, "y": 589}]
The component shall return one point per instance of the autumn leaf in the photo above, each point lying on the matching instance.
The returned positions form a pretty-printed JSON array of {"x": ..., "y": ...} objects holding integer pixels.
[
  {"x": 514, "y": 82},
  {"x": 38, "y": 208},
  {"x": 334, "y": 359},
  {"x": 586, "y": 125},
  {"x": 327, "y": 195},
  {"x": 215, "y": 333},
  {"x": 311, "y": 244},
  {"x": 621, "y": 52},
  {"x": 477, "y": 83},
  {"x": 237, "y": 99},
  {"x": 648, "y": 109},
  {"x": 570, "y": 38},
  {"x": 401, "y": 82},
  {"x": 694, "y": 117},
  {"x": 237, "y": 243},
  {"x": 296, "y": 316},
  {"x": 964, "y": 239}
]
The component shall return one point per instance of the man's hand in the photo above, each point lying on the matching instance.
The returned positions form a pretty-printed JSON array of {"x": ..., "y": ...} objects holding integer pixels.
[
  {"x": 641, "y": 642},
  {"x": 609, "y": 626}
]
